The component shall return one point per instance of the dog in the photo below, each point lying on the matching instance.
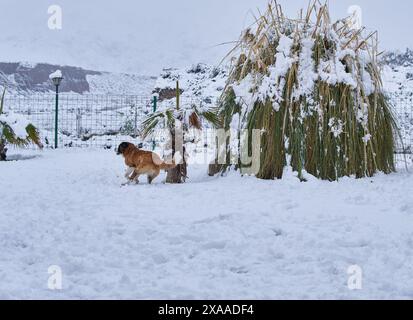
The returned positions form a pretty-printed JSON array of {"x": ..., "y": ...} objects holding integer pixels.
[{"x": 140, "y": 162}]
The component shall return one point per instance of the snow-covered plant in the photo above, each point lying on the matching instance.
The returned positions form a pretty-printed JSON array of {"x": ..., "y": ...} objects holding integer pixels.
[
  {"x": 129, "y": 126},
  {"x": 15, "y": 130},
  {"x": 317, "y": 85},
  {"x": 178, "y": 120}
]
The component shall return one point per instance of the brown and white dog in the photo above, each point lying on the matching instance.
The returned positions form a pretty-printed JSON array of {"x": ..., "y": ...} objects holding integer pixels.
[{"x": 140, "y": 162}]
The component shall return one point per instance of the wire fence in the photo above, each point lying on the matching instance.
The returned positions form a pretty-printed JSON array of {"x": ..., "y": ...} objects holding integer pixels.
[
  {"x": 84, "y": 120},
  {"x": 403, "y": 111},
  {"x": 106, "y": 120}
]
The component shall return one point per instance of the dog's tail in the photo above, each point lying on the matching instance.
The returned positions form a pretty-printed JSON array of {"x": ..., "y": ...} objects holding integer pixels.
[{"x": 167, "y": 166}]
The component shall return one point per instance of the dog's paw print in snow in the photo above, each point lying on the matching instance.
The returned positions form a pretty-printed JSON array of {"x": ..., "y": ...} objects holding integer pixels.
[
  {"x": 409, "y": 242},
  {"x": 32, "y": 259},
  {"x": 275, "y": 254},
  {"x": 193, "y": 254},
  {"x": 239, "y": 270},
  {"x": 192, "y": 238},
  {"x": 217, "y": 245},
  {"x": 355, "y": 243},
  {"x": 115, "y": 232},
  {"x": 290, "y": 206},
  {"x": 277, "y": 232},
  {"x": 125, "y": 281},
  {"x": 407, "y": 208},
  {"x": 159, "y": 258},
  {"x": 176, "y": 241},
  {"x": 221, "y": 217},
  {"x": 358, "y": 200}
]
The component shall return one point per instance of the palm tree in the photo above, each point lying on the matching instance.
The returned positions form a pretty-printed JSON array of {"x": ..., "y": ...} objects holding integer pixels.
[
  {"x": 8, "y": 134},
  {"x": 177, "y": 121}
]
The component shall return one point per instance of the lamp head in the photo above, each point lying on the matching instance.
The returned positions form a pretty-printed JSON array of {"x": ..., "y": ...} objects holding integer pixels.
[
  {"x": 57, "y": 81},
  {"x": 56, "y": 77}
]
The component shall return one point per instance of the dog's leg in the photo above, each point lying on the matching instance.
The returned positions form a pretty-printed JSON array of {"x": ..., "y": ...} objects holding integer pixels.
[
  {"x": 136, "y": 180},
  {"x": 134, "y": 176},
  {"x": 153, "y": 176},
  {"x": 128, "y": 172},
  {"x": 131, "y": 178}
]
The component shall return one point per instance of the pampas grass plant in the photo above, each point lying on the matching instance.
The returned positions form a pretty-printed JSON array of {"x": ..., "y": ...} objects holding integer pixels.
[{"x": 314, "y": 89}]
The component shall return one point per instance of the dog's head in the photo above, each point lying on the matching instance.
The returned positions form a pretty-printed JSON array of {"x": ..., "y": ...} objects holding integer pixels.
[
  {"x": 122, "y": 147},
  {"x": 126, "y": 145}
]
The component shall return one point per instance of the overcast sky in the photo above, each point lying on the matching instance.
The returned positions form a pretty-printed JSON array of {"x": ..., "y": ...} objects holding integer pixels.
[{"x": 145, "y": 36}]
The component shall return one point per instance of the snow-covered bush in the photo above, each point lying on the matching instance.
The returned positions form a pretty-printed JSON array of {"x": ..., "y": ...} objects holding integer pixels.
[
  {"x": 15, "y": 130},
  {"x": 313, "y": 88}
]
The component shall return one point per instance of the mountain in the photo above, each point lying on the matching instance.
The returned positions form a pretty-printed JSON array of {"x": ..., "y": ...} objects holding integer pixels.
[
  {"x": 198, "y": 80},
  {"x": 28, "y": 77}
]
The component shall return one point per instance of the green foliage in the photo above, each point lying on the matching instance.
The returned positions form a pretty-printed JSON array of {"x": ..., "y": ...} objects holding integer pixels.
[{"x": 7, "y": 136}]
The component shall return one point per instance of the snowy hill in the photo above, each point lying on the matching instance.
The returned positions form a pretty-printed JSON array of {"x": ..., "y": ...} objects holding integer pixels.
[
  {"x": 34, "y": 77},
  {"x": 199, "y": 82},
  {"x": 398, "y": 82},
  {"x": 398, "y": 72}
]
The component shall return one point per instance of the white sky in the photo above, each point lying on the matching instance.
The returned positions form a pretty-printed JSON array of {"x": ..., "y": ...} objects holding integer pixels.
[{"x": 143, "y": 37}]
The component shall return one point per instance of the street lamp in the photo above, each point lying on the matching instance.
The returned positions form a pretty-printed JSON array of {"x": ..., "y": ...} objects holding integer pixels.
[
  {"x": 154, "y": 106},
  {"x": 56, "y": 78}
]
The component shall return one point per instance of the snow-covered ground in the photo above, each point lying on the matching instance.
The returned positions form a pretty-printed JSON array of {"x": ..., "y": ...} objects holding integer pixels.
[{"x": 227, "y": 237}]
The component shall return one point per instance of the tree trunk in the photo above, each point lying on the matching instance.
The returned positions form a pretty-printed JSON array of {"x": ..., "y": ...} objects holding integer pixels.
[
  {"x": 179, "y": 173},
  {"x": 3, "y": 151},
  {"x": 214, "y": 168}
]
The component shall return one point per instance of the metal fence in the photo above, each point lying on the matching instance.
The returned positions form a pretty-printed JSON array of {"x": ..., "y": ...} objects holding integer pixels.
[
  {"x": 84, "y": 120},
  {"x": 403, "y": 111},
  {"x": 106, "y": 120}
]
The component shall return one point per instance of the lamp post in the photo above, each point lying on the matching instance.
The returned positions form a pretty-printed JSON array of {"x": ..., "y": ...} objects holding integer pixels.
[
  {"x": 154, "y": 107},
  {"x": 56, "y": 78}
]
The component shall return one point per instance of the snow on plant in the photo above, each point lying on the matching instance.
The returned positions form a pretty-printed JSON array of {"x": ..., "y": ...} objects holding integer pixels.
[
  {"x": 277, "y": 73},
  {"x": 306, "y": 69},
  {"x": 307, "y": 80},
  {"x": 366, "y": 138},
  {"x": 16, "y": 124},
  {"x": 336, "y": 127},
  {"x": 15, "y": 130}
]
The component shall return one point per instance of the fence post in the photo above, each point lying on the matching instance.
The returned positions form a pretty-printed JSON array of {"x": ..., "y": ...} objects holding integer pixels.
[
  {"x": 136, "y": 120},
  {"x": 78, "y": 122},
  {"x": 155, "y": 106},
  {"x": 56, "y": 129}
]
